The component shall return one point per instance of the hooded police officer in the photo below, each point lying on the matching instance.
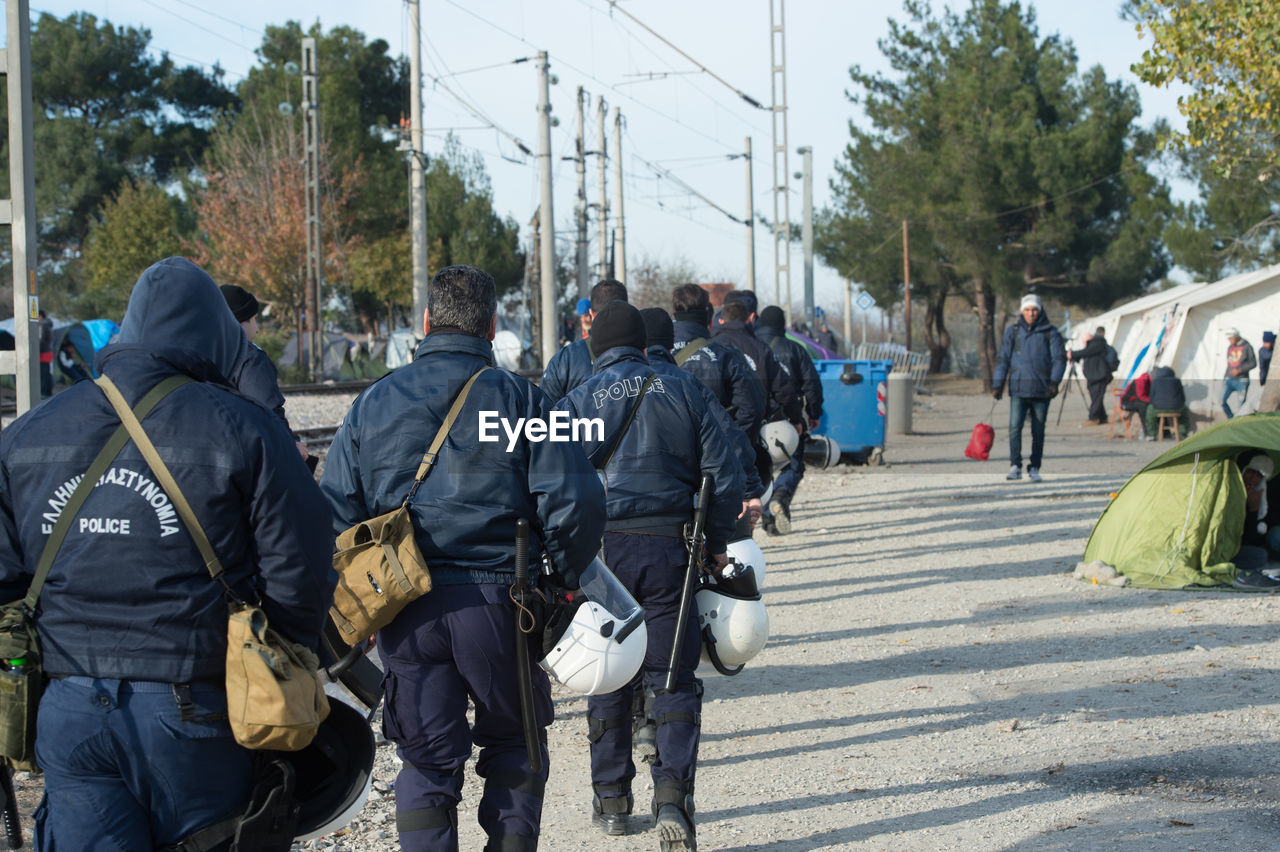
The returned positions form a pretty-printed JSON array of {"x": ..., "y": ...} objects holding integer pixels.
[
  {"x": 571, "y": 366},
  {"x": 457, "y": 642},
  {"x": 132, "y": 732},
  {"x": 656, "y": 446}
]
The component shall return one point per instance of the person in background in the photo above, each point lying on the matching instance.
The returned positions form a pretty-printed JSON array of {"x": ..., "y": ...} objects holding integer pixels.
[
  {"x": 1097, "y": 373},
  {"x": 1033, "y": 360},
  {"x": 573, "y": 364},
  {"x": 1240, "y": 360},
  {"x": 1167, "y": 396},
  {"x": 1265, "y": 352},
  {"x": 827, "y": 338},
  {"x": 1261, "y": 514},
  {"x": 584, "y": 317},
  {"x": 1137, "y": 397},
  {"x": 46, "y": 355}
]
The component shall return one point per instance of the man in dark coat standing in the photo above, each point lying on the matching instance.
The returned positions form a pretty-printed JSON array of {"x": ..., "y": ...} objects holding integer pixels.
[
  {"x": 1033, "y": 359},
  {"x": 1092, "y": 358}
]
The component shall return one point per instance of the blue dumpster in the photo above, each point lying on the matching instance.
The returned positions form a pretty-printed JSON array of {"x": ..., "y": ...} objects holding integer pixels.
[{"x": 853, "y": 407}]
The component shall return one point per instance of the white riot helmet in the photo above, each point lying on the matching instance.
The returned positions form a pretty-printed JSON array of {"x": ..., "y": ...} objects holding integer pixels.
[
  {"x": 595, "y": 639},
  {"x": 821, "y": 451},
  {"x": 733, "y": 620},
  {"x": 746, "y": 552},
  {"x": 781, "y": 439},
  {"x": 334, "y": 773}
]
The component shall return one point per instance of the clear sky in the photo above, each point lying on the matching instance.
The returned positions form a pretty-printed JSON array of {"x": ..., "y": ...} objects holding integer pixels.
[{"x": 676, "y": 117}]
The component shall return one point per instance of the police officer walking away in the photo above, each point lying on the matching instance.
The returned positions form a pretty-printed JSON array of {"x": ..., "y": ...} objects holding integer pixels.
[
  {"x": 457, "y": 642},
  {"x": 132, "y": 733},
  {"x": 771, "y": 330},
  {"x": 656, "y": 445},
  {"x": 571, "y": 366}
]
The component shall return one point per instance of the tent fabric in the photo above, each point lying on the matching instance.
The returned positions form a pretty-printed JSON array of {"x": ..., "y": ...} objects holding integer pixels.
[
  {"x": 333, "y": 352},
  {"x": 1177, "y": 523}
]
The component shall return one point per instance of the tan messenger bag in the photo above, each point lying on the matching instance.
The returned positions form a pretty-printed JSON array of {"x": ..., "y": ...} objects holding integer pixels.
[{"x": 380, "y": 568}]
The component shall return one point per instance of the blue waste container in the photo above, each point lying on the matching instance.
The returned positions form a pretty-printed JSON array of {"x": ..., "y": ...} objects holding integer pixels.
[{"x": 853, "y": 407}]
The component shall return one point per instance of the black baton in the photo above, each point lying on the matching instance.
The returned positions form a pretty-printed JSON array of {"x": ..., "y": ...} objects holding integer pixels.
[
  {"x": 524, "y": 677},
  {"x": 12, "y": 827},
  {"x": 690, "y": 579}
]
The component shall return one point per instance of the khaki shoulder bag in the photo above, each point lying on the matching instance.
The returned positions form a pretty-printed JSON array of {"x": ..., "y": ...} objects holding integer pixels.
[
  {"x": 380, "y": 568},
  {"x": 274, "y": 698}
]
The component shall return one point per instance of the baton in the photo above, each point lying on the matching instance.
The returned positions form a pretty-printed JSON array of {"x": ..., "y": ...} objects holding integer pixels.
[
  {"x": 524, "y": 677},
  {"x": 12, "y": 827},
  {"x": 690, "y": 578}
]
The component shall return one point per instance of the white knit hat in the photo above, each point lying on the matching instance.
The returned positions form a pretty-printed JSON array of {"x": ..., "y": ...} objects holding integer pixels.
[{"x": 1031, "y": 300}]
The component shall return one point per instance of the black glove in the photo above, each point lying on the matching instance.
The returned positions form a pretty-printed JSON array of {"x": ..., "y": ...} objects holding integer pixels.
[
  {"x": 1053, "y": 391},
  {"x": 997, "y": 394}
]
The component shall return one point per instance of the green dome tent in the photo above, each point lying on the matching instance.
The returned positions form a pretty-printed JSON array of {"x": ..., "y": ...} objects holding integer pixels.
[{"x": 1178, "y": 521}]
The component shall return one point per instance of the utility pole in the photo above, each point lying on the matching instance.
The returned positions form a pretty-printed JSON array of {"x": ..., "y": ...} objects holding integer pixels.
[
  {"x": 848, "y": 315},
  {"x": 906, "y": 283},
  {"x": 806, "y": 234},
  {"x": 580, "y": 207},
  {"x": 781, "y": 175},
  {"x": 620, "y": 243},
  {"x": 603, "y": 153},
  {"x": 547, "y": 245},
  {"x": 19, "y": 211},
  {"x": 417, "y": 187},
  {"x": 751, "y": 224},
  {"x": 311, "y": 144}
]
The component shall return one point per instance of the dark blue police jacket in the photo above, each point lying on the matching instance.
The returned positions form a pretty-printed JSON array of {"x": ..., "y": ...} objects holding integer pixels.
[
  {"x": 567, "y": 369},
  {"x": 663, "y": 364},
  {"x": 726, "y": 373},
  {"x": 256, "y": 377},
  {"x": 465, "y": 512},
  {"x": 782, "y": 399},
  {"x": 796, "y": 361},
  {"x": 1033, "y": 359},
  {"x": 673, "y": 440},
  {"x": 129, "y": 595}
]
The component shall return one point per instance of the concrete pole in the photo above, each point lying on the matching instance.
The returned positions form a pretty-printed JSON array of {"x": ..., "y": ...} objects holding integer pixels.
[
  {"x": 20, "y": 210},
  {"x": 603, "y": 155},
  {"x": 806, "y": 233},
  {"x": 906, "y": 283},
  {"x": 848, "y": 313},
  {"x": 547, "y": 246},
  {"x": 620, "y": 243},
  {"x": 417, "y": 189},
  {"x": 315, "y": 256},
  {"x": 751, "y": 223},
  {"x": 580, "y": 207}
]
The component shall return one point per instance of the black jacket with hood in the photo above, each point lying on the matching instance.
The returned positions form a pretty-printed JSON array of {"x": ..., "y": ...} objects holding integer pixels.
[
  {"x": 128, "y": 595},
  {"x": 782, "y": 398}
]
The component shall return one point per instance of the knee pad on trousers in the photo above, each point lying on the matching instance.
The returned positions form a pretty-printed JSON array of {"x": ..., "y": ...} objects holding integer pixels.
[
  {"x": 521, "y": 782},
  {"x": 423, "y": 819},
  {"x": 596, "y": 727}
]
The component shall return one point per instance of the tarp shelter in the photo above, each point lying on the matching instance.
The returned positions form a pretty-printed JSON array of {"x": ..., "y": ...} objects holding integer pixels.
[
  {"x": 333, "y": 352},
  {"x": 86, "y": 338},
  {"x": 401, "y": 345},
  {"x": 1178, "y": 521}
]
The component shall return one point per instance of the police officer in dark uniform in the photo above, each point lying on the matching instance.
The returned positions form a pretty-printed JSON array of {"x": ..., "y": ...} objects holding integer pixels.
[
  {"x": 736, "y": 329},
  {"x": 652, "y": 474},
  {"x": 721, "y": 368},
  {"x": 571, "y": 366},
  {"x": 457, "y": 642},
  {"x": 133, "y": 735},
  {"x": 771, "y": 330},
  {"x": 255, "y": 376}
]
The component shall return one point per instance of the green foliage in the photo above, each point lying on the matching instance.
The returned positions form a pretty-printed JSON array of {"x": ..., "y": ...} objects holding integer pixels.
[
  {"x": 106, "y": 110},
  {"x": 1226, "y": 52},
  {"x": 138, "y": 226},
  {"x": 1015, "y": 171}
]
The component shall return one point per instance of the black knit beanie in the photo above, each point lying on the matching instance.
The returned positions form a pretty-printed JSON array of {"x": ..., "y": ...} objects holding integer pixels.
[
  {"x": 773, "y": 317},
  {"x": 617, "y": 324},
  {"x": 659, "y": 328},
  {"x": 241, "y": 302}
]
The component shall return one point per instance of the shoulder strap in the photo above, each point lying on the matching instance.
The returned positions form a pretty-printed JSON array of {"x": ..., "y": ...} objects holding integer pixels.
[
  {"x": 429, "y": 460},
  {"x": 630, "y": 417},
  {"x": 693, "y": 347},
  {"x": 99, "y": 466},
  {"x": 162, "y": 474}
]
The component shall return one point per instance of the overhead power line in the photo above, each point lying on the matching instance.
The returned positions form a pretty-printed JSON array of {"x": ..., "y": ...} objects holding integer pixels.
[
  {"x": 613, "y": 5},
  {"x": 666, "y": 173}
]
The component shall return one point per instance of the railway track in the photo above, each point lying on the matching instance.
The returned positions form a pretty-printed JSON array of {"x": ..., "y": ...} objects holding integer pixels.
[{"x": 318, "y": 438}]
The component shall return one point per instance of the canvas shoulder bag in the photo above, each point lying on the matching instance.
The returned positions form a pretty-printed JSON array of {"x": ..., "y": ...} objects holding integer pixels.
[
  {"x": 21, "y": 666},
  {"x": 693, "y": 347},
  {"x": 274, "y": 698},
  {"x": 380, "y": 568}
]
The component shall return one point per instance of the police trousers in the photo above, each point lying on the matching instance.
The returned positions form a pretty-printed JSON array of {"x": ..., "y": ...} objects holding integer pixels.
[
  {"x": 652, "y": 567},
  {"x": 453, "y": 645}
]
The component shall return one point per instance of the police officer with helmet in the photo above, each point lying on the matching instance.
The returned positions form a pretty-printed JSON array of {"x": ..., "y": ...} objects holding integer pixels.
[
  {"x": 132, "y": 731},
  {"x": 456, "y": 643},
  {"x": 659, "y": 439}
]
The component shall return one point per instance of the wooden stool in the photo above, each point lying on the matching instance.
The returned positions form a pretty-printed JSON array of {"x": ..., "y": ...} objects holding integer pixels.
[
  {"x": 1118, "y": 414},
  {"x": 1170, "y": 420}
]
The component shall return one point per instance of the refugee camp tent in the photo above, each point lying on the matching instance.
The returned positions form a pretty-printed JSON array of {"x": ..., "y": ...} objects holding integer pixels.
[
  {"x": 400, "y": 347},
  {"x": 1133, "y": 325},
  {"x": 1178, "y": 521},
  {"x": 333, "y": 352}
]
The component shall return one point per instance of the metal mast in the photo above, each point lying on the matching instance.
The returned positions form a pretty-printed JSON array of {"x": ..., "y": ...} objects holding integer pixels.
[
  {"x": 781, "y": 175},
  {"x": 620, "y": 246},
  {"x": 547, "y": 246},
  {"x": 19, "y": 212},
  {"x": 603, "y": 154},
  {"x": 580, "y": 206},
  {"x": 311, "y": 145},
  {"x": 806, "y": 233},
  {"x": 417, "y": 188},
  {"x": 751, "y": 224}
]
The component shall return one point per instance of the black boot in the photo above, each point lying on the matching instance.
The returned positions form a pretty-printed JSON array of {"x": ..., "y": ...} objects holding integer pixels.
[
  {"x": 612, "y": 815},
  {"x": 673, "y": 817},
  {"x": 644, "y": 730},
  {"x": 780, "y": 508}
]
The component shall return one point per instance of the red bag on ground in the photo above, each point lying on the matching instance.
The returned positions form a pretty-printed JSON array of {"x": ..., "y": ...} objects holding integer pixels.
[{"x": 980, "y": 442}]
